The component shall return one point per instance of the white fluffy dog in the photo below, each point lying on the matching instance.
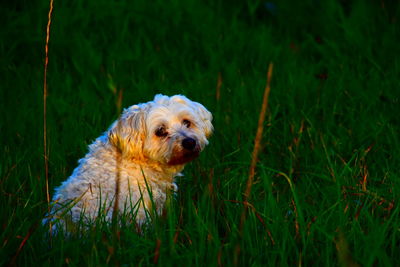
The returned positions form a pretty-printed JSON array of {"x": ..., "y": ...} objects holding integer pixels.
[{"x": 138, "y": 157}]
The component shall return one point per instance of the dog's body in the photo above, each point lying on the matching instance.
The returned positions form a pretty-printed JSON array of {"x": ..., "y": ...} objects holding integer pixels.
[{"x": 140, "y": 154}]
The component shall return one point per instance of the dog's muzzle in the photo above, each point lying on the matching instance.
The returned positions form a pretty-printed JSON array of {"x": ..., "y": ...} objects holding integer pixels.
[{"x": 187, "y": 151}]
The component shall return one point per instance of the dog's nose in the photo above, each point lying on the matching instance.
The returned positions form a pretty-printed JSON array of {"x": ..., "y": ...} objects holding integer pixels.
[{"x": 189, "y": 143}]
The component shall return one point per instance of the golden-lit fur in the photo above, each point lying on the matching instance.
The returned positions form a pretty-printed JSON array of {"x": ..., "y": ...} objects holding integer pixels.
[{"x": 146, "y": 148}]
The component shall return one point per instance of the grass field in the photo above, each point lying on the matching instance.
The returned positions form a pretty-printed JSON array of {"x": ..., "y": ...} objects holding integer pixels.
[{"x": 326, "y": 190}]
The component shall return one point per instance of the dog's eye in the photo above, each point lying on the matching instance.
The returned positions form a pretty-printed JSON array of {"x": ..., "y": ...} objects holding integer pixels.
[
  {"x": 187, "y": 123},
  {"x": 161, "y": 132}
]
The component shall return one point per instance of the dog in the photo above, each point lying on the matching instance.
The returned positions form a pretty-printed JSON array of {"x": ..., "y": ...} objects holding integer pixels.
[{"x": 130, "y": 169}]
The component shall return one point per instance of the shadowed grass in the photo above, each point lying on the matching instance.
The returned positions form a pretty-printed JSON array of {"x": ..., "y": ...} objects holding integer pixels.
[{"x": 326, "y": 189}]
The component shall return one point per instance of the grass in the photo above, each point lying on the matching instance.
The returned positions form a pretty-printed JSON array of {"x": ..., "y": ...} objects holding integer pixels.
[{"x": 326, "y": 189}]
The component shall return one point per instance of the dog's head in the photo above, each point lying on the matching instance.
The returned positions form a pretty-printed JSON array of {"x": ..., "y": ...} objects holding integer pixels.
[{"x": 169, "y": 130}]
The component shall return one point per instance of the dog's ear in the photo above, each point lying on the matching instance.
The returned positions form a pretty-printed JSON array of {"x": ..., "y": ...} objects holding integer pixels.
[
  {"x": 128, "y": 133},
  {"x": 205, "y": 117}
]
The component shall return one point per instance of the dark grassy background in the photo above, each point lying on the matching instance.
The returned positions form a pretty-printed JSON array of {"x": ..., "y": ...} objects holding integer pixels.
[{"x": 332, "y": 127}]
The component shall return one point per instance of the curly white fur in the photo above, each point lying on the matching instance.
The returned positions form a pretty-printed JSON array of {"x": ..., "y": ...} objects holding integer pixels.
[{"x": 144, "y": 149}]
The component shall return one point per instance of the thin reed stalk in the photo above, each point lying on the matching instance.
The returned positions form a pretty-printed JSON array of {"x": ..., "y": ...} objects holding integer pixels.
[
  {"x": 45, "y": 151},
  {"x": 254, "y": 158},
  {"x": 260, "y": 129}
]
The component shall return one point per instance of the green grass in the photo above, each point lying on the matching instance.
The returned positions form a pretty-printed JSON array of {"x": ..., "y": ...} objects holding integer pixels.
[{"x": 333, "y": 121}]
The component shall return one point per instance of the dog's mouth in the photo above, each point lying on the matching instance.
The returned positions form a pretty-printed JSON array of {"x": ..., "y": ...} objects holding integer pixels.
[{"x": 183, "y": 157}]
